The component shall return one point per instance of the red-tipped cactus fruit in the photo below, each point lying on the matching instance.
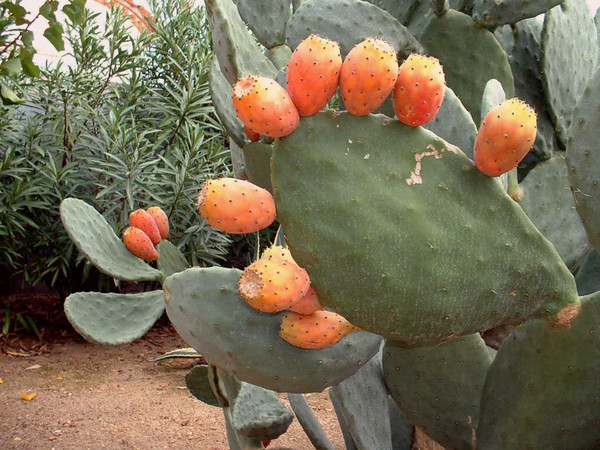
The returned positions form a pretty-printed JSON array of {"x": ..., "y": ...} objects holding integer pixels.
[
  {"x": 320, "y": 329},
  {"x": 138, "y": 243},
  {"x": 161, "y": 219},
  {"x": 419, "y": 90},
  {"x": 264, "y": 106},
  {"x": 506, "y": 134},
  {"x": 368, "y": 76},
  {"x": 145, "y": 221},
  {"x": 236, "y": 206},
  {"x": 273, "y": 285},
  {"x": 313, "y": 74}
]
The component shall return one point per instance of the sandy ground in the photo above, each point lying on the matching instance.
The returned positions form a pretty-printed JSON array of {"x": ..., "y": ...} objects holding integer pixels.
[{"x": 89, "y": 396}]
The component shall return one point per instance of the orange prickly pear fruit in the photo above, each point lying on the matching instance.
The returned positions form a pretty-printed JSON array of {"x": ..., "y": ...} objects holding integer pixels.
[
  {"x": 419, "y": 90},
  {"x": 252, "y": 135},
  {"x": 368, "y": 76},
  {"x": 161, "y": 219},
  {"x": 320, "y": 329},
  {"x": 236, "y": 206},
  {"x": 273, "y": 285},
  {"x": 309, "y": 303},
  {"x": 505, "y": 136},
  {"x": 138, "y": 243},
  {"x": 277, "y": 251},
  {"x": 144, "y": 221},
  {"x": 313, "y": 73},
  {"x": 264, "y": 106}
]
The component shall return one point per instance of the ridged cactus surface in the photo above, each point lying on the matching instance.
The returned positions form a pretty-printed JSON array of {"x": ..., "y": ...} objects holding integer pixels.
[
  {"x": 386, "y": 206},
  {"x": 207, "y": 310}
]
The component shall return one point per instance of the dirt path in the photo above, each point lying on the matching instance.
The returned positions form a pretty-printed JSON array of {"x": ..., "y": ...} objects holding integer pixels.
[{"x": 89, "y": 396}]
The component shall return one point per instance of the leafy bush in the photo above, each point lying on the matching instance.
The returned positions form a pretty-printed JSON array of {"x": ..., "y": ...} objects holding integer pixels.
[{"x": 128, "y": 124}]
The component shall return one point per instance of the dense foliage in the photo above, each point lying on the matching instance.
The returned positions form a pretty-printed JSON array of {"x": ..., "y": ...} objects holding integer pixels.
[{"x": 121, "y": 122}]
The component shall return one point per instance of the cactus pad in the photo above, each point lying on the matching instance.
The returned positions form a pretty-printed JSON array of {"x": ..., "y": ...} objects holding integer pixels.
[
  {"x": 468, "y": 68},
  {"x": 97, "y": 241},
  {"x": 438, "y": 387},
  {"x": 114, "y": 318},
  {"x": 267, "y": 19},
  {"x": 542, "y": 389},
  {"x": 412, "y": 201},
  {"x": 170, "y": 259},
  {"x": 583, "y": 159},
  {"x": 197, "y": 383},
  {"x": 491, "y": 13},
  {"x": 207, "y": 311},
  {"x": 238, "y": 53},
  {"x": 568, "y": 40},
  {"x": 348, "y": 22},
  {"x": 548, "y": 201}
]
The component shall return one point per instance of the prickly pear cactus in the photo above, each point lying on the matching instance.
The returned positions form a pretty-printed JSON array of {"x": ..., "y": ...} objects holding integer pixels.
[{"x": 413, "y": 201}]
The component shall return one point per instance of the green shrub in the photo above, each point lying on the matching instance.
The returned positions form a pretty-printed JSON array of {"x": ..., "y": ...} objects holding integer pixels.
[{"x": 128, "y": 123}]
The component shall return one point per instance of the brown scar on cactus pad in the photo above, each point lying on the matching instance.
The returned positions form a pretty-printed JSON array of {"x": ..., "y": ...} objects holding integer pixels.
[
  {"x": 415, "y": 175},
  {"x": 566, "y": 316}
]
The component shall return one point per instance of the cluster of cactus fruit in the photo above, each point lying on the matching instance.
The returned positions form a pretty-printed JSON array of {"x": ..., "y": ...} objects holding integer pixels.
[{"x": 452, "y": 234}]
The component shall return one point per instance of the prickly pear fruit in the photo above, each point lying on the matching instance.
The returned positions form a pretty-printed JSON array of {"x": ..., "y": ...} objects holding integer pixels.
[
  {"x": 368, "y": 75},
  {"x": 506, "y": 135},
  {"x": 138, "y": 243},
  {"x": 144, "y": 221},
  {"x": 264, "y": 106},
  {"x": 273, "y": 285},
  {"x": 313, "y": 73},
  {"x": 277, "y": 251},
  {"x": 161, "y": 219},
  {"x": 236, "y": 206},
  {"x": 309, "y": 303},
  {"x": 252, "y": 135},
  {"x": 419, "y": 90},
  {"x": 320, "y": 329}
]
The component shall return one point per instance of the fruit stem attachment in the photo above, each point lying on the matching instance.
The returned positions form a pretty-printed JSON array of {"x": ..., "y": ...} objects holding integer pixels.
[
  {"x": 514, "y": 191},
  {"x": 440, "y": 7}
]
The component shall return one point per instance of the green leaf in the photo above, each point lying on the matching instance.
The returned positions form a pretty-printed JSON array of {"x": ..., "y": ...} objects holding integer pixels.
[
  {"x": 29, "y": 67},
  {"x": 8, "y": 96},
  {"x": 54, "y": 34},
  {"x": 17, "y": 11},
  {"x": 27, "y": 39},
  {"x": 75, "y": 11},
  {"x": 11, "y": 67},
  {"x": 48, "y": 9}
]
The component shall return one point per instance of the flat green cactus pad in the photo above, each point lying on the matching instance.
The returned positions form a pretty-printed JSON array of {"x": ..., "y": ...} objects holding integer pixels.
[
  {"x": 267, "y": 19},
  {"x": 548, "y": 201},
  {"x": 467, "y": 67},
  {"x": 439, "y": 386},
  {"x": 197, "y": 383},
  {"x": 348, "y": 22},
  {"x": 543, "y": 387},
  {"x": 569, "y": 39},
  {"x": 114, "y": 318},
  {"x": 583, "y": 159},
  {"x": 170, "y": 258},
  {"x": 404, "y": 237},
  {"x": 491, "y": 13},
  {"x": 97, "y": 241},
  {"x": 206, "y": 309}
]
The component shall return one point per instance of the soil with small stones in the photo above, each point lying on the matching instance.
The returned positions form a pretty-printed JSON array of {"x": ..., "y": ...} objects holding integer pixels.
[{"x": 66, "y": 393}]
